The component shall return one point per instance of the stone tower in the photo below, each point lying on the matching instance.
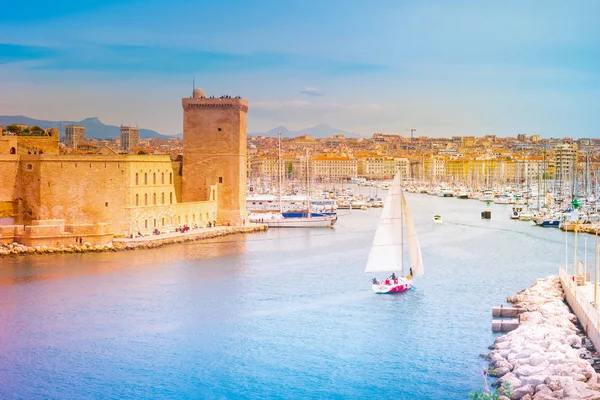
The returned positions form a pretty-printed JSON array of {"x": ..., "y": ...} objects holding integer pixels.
[{"x": 214, "y": 153}]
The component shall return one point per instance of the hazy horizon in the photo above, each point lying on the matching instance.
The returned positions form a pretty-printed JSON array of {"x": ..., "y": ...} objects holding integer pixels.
[{"x": 460, "y": 68}]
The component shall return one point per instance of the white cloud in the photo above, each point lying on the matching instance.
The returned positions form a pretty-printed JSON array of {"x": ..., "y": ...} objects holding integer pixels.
[{"x": 312, "y": 92}]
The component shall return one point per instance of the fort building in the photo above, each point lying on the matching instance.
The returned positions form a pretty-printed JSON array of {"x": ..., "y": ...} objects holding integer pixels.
[
  {"x": 214, "y": 148},
  {"x": 30, "y": 144},
  {"x": 74, "y": 136},
  {"x": 53, "y": 199}
]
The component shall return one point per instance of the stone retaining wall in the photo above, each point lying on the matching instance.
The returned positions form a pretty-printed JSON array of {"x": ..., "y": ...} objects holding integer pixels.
[{"x": 129, "y": 244}]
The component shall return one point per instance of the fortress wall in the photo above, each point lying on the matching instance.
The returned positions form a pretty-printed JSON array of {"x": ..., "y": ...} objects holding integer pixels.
[
  {"x": 215, "y": 149},
  {"x": 9, "y": 171},
  {"x": 79, "y": 191}
]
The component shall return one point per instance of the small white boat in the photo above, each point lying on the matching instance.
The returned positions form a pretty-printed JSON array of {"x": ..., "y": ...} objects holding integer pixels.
[
  {"x": 525, "y": 215},
  {"x": 516, "y": 212},
  {"x": 437, "y": 219},
  {"x": 502, "y": 200},
  {"x": 446, "y": 192},
  {"x": 487, "y": 196}
]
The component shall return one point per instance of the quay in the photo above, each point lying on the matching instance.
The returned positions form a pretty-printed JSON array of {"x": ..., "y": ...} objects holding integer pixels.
[
  {"x": 143, "y": 242},
  {"x": 579, "y": 294},
  {"x": 590, "y": 228}
]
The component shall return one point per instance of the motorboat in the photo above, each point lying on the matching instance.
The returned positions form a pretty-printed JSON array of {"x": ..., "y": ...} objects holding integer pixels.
[
  {"x": 437, "y": 219},
  {"x": 515, "y": 213},
  {"x": 525, "y": 215}
]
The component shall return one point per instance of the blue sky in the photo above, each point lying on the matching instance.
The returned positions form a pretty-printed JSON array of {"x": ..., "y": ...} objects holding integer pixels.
[{"x": 442, "y": 67}]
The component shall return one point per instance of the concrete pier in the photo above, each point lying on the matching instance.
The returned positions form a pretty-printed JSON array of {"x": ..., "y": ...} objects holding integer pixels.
[
  {"x": 505, "y": 325},
  {"x": 579, "y": 294}
]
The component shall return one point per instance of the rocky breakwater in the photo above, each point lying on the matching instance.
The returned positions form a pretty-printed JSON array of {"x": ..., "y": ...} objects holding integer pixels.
[
  {"x": 16, "y": 249},
  {"x": 131, "y": 244},
  {"x": 547, "y": 356}
]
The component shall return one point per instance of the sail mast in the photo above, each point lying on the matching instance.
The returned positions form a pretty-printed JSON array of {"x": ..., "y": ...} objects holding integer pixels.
[
  {"x": 401, "y": 224},
  {"x": 279, "y": 170},
  {"x": 307, "y": 184}
]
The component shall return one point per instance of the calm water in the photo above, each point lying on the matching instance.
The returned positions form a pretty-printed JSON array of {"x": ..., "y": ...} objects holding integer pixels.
[{"x": 285, "y": 314}]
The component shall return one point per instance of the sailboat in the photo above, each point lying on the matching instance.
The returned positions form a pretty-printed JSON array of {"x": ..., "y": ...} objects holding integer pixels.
[
  {"x": 387, "y": 251},
  {"x": 309, "y": 219}
]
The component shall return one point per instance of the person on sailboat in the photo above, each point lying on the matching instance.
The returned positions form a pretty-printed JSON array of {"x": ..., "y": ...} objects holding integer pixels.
[
  {"x": 393, "y": 276},
  {"x": 375, "y": 281}
]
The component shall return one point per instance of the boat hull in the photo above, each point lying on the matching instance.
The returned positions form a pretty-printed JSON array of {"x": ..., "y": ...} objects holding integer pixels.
[
  {"x": 549, "y": 224},
  {"x": 318, "y": 222},
  {"x": 401, "y": 286}
]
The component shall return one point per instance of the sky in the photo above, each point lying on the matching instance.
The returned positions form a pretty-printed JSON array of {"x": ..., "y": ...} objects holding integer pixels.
[{"x": 461, "y": 67}]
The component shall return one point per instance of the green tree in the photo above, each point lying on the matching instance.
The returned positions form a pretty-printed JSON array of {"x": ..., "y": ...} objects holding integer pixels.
[
  {"x": 290, "y": 168},
  {"x": 13, "y": 128},
  {"x": 141, "y": 152},
  {"x": 36, "y": 130}
]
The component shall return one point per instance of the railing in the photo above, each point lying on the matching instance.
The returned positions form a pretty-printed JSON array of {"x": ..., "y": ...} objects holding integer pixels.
[{"x": 581, "y": 301}]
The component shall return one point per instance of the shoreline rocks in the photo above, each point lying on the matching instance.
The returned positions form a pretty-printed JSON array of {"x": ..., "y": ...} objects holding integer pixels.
[
  {"x": 546, "y": 356},
  {"x": 16, "y": 249}
]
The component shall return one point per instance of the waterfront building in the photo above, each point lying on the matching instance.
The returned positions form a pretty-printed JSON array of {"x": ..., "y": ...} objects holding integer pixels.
[
  {"x": 565, "y": 163},
  {"x": 435, "y": 168},
  {"x": 333, "y": 167},
  {"x": 53, "y": 199},
  {"x": 74, "y": 136},
  {"x": 130, "y": 137}
]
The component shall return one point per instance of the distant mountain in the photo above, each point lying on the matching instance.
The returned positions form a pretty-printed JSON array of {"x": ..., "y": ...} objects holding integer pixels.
[
  {"x": 94, "y": 128},
  {"x": 318, "y": 132}
]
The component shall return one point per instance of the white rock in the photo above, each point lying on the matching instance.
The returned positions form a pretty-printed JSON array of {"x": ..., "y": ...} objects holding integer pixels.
[
  {"x": 522, "y": 391},
  {"x": 533, "y": 380},
  {"x": 558, "y": 382}
]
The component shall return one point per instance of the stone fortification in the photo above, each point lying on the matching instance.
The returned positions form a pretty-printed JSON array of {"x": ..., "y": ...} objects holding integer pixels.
[
  {"x": 53, "y": 199},
  {"x": 30, "y": 144},
  {"x": 128, "y": 244},
  {"x": 214, "y": 142}
]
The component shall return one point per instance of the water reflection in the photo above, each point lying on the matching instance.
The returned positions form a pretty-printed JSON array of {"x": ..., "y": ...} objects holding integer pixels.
[
  {"x": 286, "y": 313},
  {"x": 38, "y": 268}
]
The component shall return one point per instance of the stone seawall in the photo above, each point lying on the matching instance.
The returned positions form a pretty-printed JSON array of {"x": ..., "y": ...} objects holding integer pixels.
[
  {"x": 149, "y": 242},
  {"x": 547, "y": 356}
]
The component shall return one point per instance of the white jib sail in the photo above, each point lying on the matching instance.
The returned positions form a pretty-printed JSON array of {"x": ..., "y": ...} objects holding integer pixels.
[
  {"x": 414, "y": 250},
  {"x": 386, "y": 251}
]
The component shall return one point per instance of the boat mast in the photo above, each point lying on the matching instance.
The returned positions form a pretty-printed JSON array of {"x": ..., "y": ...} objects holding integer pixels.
[
  {"x": 596, "y": 273},
  {"x": 279, "y": 170},
  {"x": 401, "y": 224},
  {"x": 307, "y": 184}
]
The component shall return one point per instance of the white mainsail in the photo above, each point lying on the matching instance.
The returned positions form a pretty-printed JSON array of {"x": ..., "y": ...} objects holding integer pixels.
[
  {"x": 414, "y": 250},
  {"x": 386, "y": 251}
]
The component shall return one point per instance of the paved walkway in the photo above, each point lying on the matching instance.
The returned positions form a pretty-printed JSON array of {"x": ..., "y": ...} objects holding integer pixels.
[{"x": 191, "y": 234}]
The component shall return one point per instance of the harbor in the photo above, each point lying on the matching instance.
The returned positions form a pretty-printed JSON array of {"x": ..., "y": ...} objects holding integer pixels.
[{"x": 275, "y": 312}]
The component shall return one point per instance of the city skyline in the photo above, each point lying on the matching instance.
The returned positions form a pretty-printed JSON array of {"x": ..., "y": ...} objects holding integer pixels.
[{"x": 459, "y": 69}]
